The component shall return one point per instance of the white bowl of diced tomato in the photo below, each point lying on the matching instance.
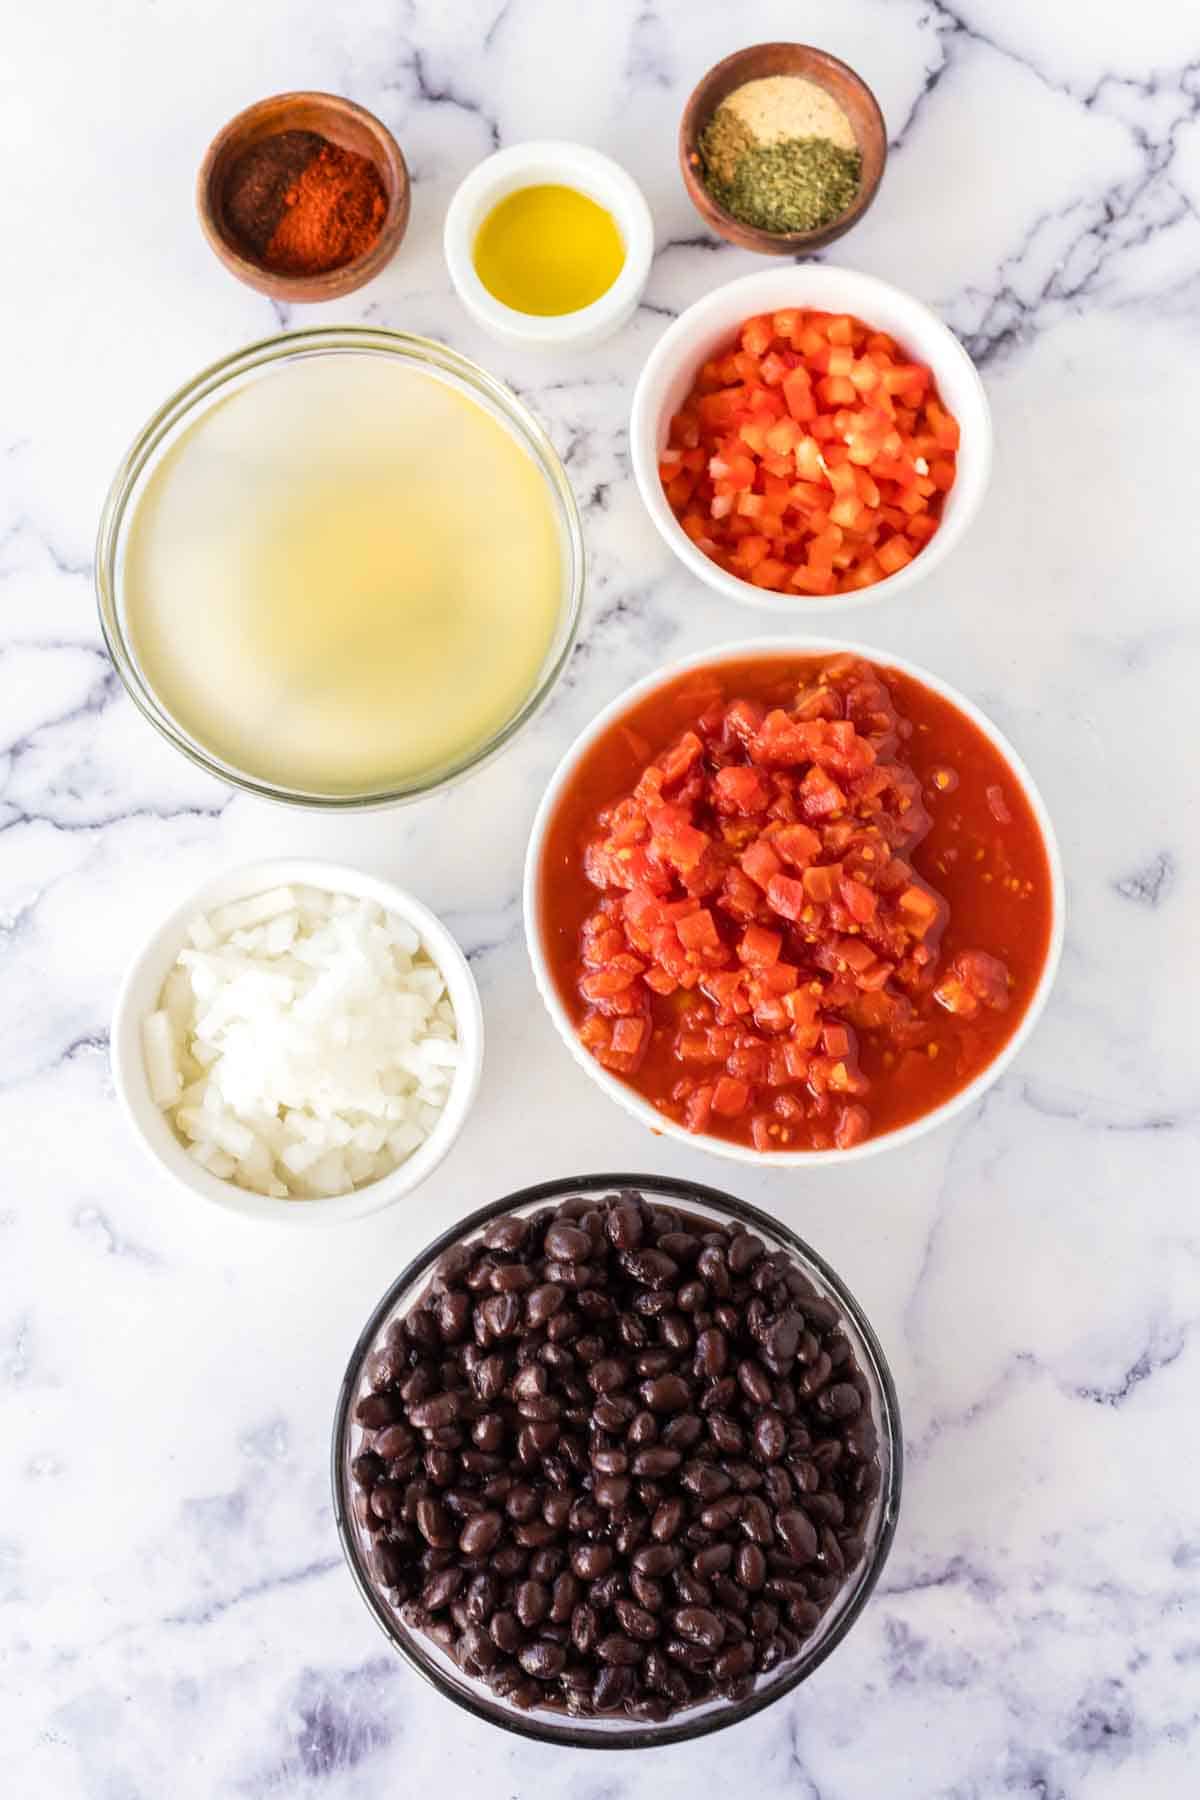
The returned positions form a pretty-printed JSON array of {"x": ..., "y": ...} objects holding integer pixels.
[
  {"x": 810, "y": 437},
  {"x": 793, "y": 901}
]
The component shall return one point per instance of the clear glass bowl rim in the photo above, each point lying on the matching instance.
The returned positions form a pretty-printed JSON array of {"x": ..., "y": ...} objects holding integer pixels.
[
  {"x": 284, "y": 346},
  {"x": 689, "y": 1726}
]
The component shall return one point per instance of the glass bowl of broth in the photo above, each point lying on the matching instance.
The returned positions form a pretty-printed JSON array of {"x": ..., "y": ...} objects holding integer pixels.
[{"x": 340, "y": 568}]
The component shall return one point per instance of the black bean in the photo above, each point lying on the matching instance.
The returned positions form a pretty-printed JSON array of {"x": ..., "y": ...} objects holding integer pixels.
[
  {"x": 690, "y": 1590},
  {"x": 738, "y": 1660},
  {"x": 722, "y": 1513},
  {"x": 532, "y": 1602},
  {"x": 542, "y": 1660},
  {"x": 610, "y": 1462},
  {"x": 501, "y": 1315},
  {"x": 505, "y": 1631},
  {"x": 718, "y": 1395},
  {"x": 643, "y": 1429},
  {"x": 636, "y": 1621},
  {"x": 608, "y": 1374},
  {"x": 556, "y": 1509},
  {"x": 733, "y": 1598},
  {"x": 713, "y": 1268},
  {"x": 744, "y": 1250},
  {"x": 682, "y": 1431},
  {"x": 666, "y": 1523},
  {"x": 675, "y": 1331},
  {"x": 656, "y": 1461},
  {"x": 377, "y": 1410},
  {"x": 441, "y": 1588},
  {"x": 666, "y": 1393},
  {"x": 390, "y": 1562},
  {"x": 713, "y": 1560},
  {"x": 769, "y": 1436},
  {"x": 652, "y": 1268},
  {"x": 421, "y": 1327},
  {"x": 699, "y": 1625},
  {"x": 725, "y": 1433},
  {"x": 590, "y": 1561},
  {"x": 624, "y": 1226},
  {"x": 611, "y": 1688},
  {"x": 489, "y": 1376},
  {"x": 540, "y": 1407},
  {"x": 480, "y": 1533},
  {"x": 534, "y": 1534},
  {"x": 797, "y": 1531},
  {"x": 814, "y": 1378},
  {"x": 712, "y": 1353},
  {"x": 434, "y": 1523},
  {"x": 584, "y": 1628},
  {"x": 705, "y": 1480},
  {"x": 777, "y": 1485},
  {"x": 756, "y": 1519},
  {"x": 428, "y": 1415},
  {"x": 613, "y": 1412},
  {"x": 646, "y": 1591},
  {"x": 567, "y": 1243},
  {"x": 535, "y": 1437},
  {"x": 542, "y": 1303},
  {"x": 453, "y": 1314},
  {"x": 508, "y": 1232},
  {"x": 655, "y": 1559},
  {"x": 611, "y": 1491},
  {"x": 751, "y": 1567},
  {"x": 488, "y": 1431},
  {"x": 618, "y": 1649}
]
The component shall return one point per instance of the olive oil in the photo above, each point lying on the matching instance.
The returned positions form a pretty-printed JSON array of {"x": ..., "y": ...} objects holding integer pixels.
[
  {"x": 548, "y": 250},
  {"x": 344, "y": 575}
]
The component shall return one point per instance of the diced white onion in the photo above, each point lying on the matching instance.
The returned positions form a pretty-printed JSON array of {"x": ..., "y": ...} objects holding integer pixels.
[
  {"x": 162, "y": 1067},
  {"x": 304, "y": 1043}
]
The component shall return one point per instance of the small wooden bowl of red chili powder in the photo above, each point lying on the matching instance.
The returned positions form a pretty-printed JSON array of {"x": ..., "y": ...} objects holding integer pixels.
[{"x": 304, "y": 196}]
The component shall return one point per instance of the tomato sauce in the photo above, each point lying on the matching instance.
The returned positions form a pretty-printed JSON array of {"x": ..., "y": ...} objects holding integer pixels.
[{"x": 795, "y": 902}]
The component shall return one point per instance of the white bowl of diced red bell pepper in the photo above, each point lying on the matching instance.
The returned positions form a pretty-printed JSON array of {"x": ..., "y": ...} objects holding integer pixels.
[
  {"x": 732, "y": 941},
  {"x": 810, "y": 438}
]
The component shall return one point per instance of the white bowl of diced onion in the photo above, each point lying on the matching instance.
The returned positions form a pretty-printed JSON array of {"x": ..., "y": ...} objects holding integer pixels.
[{"x": 299, "y": 1042}]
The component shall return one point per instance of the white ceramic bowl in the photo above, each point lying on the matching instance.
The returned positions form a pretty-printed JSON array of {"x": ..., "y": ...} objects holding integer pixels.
[
  {"x": 550, "y": 161},
  {"x": 626, "y": 1096},
  {"x": 671, "y": 368},
  {"x": 139, "y": 995}
]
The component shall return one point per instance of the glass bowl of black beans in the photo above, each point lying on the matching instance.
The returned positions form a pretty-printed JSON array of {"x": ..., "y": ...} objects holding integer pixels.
[{"x": 617, "y": 1461}]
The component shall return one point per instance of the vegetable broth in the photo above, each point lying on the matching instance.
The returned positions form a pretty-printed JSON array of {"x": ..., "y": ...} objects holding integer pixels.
[{"x": 343, "y": 576}]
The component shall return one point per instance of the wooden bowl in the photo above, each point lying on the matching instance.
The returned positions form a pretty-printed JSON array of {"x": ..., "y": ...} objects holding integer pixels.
[
  {"x": 754, "y": 64},
  {"x": 343, "y": 123}
]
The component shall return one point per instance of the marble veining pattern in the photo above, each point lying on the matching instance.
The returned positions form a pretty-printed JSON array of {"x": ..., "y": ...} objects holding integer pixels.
[{"x": 175, "y": 1623}]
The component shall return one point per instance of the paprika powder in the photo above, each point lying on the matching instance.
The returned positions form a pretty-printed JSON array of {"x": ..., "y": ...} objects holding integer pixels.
[{"x": 301, "y": 205}]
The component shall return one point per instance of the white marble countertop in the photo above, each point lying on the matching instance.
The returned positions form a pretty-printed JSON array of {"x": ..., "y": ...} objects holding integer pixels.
[{"x": 175, "y": 1620}]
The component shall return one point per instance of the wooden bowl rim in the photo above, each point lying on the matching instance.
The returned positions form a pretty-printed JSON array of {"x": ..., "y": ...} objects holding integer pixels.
[
  {"x": 811, "y": 63},
  {"x": 333, "y": 283}
]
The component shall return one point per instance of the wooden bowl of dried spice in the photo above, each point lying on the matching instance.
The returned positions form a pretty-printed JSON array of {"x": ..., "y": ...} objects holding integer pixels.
[
  {"x": 304, "y": 196},
  {"x": 782, "y": 148}
]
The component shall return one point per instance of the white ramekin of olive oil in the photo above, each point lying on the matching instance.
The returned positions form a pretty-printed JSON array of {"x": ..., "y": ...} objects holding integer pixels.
[
  {"x": 347, "y": 575},
  {"x": 549, "y": 244}
]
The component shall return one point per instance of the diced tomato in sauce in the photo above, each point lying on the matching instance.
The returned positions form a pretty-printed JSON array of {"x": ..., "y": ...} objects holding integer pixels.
[
  {"x": 810, "y": 456},
  {"x": 795, "y": 903}
]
